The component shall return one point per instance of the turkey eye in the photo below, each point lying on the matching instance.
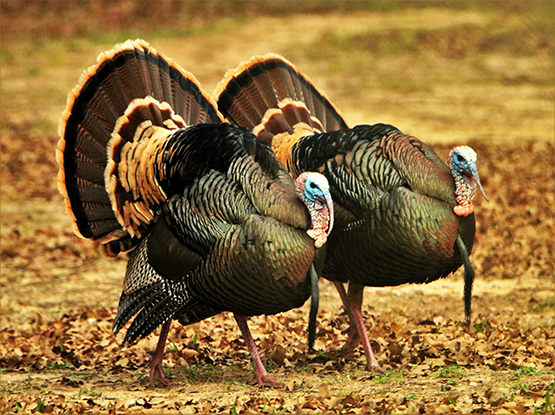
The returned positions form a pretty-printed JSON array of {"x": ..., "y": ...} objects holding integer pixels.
[
  {"x": 313, "y": 185},
  {"x": 459, "y": 158}
]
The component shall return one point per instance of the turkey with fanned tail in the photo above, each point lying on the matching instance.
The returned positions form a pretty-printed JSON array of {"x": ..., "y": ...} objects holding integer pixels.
[
  {"x": 401, "y": 214},
  {"x": 210, "y": 218}
]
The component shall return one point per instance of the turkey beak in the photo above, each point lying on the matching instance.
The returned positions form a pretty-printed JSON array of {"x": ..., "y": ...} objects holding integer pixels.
[{"x": 476, "y": 177}]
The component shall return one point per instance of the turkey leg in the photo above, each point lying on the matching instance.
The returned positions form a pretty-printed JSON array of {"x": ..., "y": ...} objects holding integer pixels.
[
  {"x": 259, "y": 371},
  {"x": 156, "y": 365},
  {"x": 357, "y": 331}
]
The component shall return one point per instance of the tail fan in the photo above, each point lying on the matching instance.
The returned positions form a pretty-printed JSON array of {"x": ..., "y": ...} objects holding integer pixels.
[
  {"x": 131, "y": 88},
  {"x": 270, "y": 96}
]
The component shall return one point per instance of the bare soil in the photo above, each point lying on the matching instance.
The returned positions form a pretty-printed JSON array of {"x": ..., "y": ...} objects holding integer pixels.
[{"x": 457, "y": 79}]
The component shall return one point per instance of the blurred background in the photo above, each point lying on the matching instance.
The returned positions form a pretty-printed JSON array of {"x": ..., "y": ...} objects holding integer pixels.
[{"x": 442, "y": 70}]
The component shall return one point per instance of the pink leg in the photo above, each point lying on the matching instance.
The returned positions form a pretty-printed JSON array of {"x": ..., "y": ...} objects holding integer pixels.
[
  {"x": 156, "y": 365},
  {"x": 357, "y": 334},
  {"x": 259, "y": 371},
  {"x": 353, "y": 340}
]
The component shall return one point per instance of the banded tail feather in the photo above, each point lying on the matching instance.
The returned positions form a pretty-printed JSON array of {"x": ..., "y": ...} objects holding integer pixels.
[
  {"x": 99, "y": 107},
  {"x": 273, "y": 99}
]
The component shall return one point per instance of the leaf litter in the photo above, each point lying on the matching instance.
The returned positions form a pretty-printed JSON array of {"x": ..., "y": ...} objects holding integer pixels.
[{"x": 58, "y": 353}]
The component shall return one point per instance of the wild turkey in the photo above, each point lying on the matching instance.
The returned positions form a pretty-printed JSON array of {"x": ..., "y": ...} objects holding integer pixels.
[
  {"x": 209, "y": 216},
  {"x": 401, "y": 214}
]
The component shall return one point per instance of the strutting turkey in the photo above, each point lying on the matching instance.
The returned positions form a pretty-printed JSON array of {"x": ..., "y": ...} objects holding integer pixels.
[
  {"x": 211, "y": 219},
  {"x": 401, "y": 214}
]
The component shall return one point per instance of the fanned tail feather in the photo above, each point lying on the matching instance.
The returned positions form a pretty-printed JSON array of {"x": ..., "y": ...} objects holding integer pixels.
[
  {"x": 87, "y": 147},
  {"x": 270, "y": 96}
]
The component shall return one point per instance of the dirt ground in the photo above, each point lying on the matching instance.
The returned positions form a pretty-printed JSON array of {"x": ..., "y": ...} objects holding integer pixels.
[{"x": 458, "y": 77}]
